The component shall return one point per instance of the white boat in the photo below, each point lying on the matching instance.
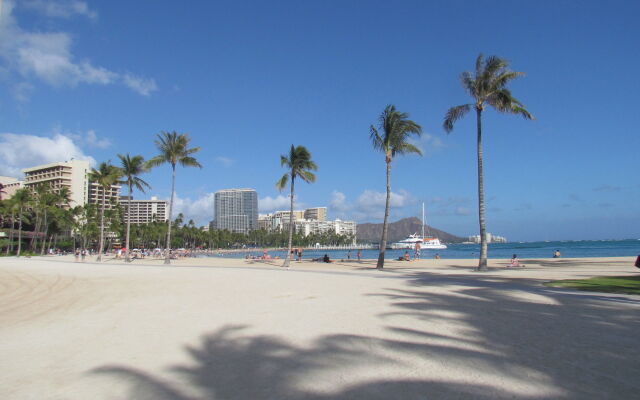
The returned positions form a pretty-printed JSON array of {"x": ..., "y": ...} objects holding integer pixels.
[{"x": 426, "y": 242}]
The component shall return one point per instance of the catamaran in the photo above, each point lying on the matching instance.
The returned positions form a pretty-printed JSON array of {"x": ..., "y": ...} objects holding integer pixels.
[{"x": 426, "y": 242}]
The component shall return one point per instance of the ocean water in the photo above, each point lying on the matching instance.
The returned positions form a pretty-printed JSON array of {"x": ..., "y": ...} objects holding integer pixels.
[{"x": 568, "y": 249}]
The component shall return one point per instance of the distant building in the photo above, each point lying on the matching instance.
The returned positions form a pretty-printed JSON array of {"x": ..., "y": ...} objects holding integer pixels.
[
  {"x": 309, "y": 221},
  {"x": 9, "y": 186},
  {"x": 70, "y": 174},
  {"x": 236, "y": 210},
  {"x": 145, "y": 211},
  {"x": 490, "y": 238},
  {"x": 317, "y": 213},
  {"x": 73, "y": 175}
]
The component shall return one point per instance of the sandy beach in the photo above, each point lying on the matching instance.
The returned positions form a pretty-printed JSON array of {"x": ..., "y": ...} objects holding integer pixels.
[{"x": 222, "y": 328}]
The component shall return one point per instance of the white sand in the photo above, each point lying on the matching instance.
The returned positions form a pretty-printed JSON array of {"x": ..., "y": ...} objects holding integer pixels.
[{"x": 230, "y": 329}]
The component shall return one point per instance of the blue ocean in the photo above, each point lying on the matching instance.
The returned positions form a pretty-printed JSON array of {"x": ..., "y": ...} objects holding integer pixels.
[{"x": 568, "y": 249}]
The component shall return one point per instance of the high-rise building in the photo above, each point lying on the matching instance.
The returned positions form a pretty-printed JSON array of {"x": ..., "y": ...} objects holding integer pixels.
[
  {"x": 316, "y": 213},
  {"x": 145, "y": 211},
  {"x": 70, "y": 174},
  {"x": 236, "y": 210},
  {"x": 9, "y": 186}
]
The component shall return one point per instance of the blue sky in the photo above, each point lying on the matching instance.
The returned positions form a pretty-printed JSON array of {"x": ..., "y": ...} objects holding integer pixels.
[{"x": 248, "y": 79}]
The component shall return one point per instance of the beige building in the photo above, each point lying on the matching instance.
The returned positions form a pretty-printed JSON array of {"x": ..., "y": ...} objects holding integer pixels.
[
  {"x": 145, "y": 211},
  {"x": 112, "y": 195},
  {"x": 316, "y": 213},
  {"x": 71, "y": 174},
  {"x": 9, "y": 187}
]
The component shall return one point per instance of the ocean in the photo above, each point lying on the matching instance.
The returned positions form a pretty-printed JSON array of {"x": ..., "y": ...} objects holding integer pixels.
[{"x": 568, "y": 249}]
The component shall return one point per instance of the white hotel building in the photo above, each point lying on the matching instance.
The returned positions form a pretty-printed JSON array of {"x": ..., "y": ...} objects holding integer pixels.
[{"x": 145, "y": 211}]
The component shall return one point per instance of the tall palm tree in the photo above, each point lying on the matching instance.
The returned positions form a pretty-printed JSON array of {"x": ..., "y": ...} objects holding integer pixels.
[
  {"x": 105, "y": 176},
  {"x": 300, "y": 166},
  {"x": 21, "y": 198},
  {"x": 174, "y": 149},
  {"x": 396, "y": 131},
  {"x": 486, "y": 86},
  {"x": 132, "y": 167}
]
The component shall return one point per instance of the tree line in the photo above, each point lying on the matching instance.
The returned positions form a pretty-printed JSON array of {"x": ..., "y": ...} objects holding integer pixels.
[{"x": 40, "y": 209}]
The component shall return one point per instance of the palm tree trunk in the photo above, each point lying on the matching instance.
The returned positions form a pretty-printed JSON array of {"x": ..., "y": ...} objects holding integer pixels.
[
  {"x": 286, "y": 258},
  {"x": 127, "y": 257},
  {"x": 19, "y": 232},
  {"x": 13, "y": 225},
  {"x": 482, "y": 265},
  {"x": 101, "y": 245},
  {"x": 167, "y": 259},
  {"x": 44, "y": 232},
  {"x": 383, "y": 240},
  {"x": 36, "y": 228}
]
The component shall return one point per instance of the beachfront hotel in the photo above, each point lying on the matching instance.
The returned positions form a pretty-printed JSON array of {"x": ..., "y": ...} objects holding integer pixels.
[
  {"x": 70, "y": 174},
  {"x": 236, "y": 210},
  {"x": 74, "y": 175},
  {"x": 145, "y": 211},
  {"x": 9, "y": 186},
  {"x": 307, "y": 222}
]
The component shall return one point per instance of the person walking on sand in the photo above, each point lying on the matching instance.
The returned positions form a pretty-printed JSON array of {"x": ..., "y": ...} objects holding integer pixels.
[
  {"x": 349, "y": 255},
  {"x": 359, "y": 254},
  {"x": 417, "y": 251}
]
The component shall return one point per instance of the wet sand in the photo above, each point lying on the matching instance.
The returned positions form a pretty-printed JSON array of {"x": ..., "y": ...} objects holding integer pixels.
[{"x": 222, "y": 328}]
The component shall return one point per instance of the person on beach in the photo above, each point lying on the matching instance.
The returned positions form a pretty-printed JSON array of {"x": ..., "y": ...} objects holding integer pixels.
[
  {"x": 349, "y": 255},
  {"x": 405, "y": 257},
  {"x": 515, "y": 262},
  {"x": 299, "y": 254},
  {"x": 77, "y": 254},
  {"x": 359, "y": 254},
  {"x": 83, "y": 254},
  {"x": 417, "y": 251},
  {"x": 326, "y": 259},
  {"x": 556, "y": 254},
  {"x": 638, "y": 261}
]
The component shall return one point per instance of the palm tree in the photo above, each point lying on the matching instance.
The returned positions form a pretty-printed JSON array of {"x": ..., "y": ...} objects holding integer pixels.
[
  {"x": 174, "y": 149},
  {"x": 487, "y": 86},
  {"x": 105, "y": 176},
  {"x": 300, "y": 166},
  {"x": 21, "y": 198},
  {"x": 132, "y": 167},
  {"x": 396, "y": 131}
]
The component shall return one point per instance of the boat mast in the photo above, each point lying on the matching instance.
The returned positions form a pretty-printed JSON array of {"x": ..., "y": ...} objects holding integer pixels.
[{"x": 423, "y": 220}]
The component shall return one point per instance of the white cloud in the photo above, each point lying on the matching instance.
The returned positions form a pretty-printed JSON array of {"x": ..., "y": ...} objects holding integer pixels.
[
  {"x": 47, "y": 56},
  {"x": 226, "y": 162},
  {"x": 199, "y": 210},
  {"x": 22, "y": 91},
  {"x": 369, "y": 205},
  {"x": 142, "y": 86},
  {"x": 88, "y": 138},
  {"x": 60, "y": 8},
  {"x": 277, "y": 203},
  {"x": 22, "y": 151},
  {"x": 338, "y": 202},
  {"x": 427, "y": 143}
]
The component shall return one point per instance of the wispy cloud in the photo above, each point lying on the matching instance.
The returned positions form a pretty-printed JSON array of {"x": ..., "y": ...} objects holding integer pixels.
[
  {"x": 60, "y": 8},
  {"x": 428, "y": 143},
  {"x": 280, "y": 202},
  {"x": 200, "y": 210},
  {"x": 225, "y": 161},
  {"x": 369, "y": 205},
  {"x": 47, "y": 56},
  {"x": 607, "y": 188}
]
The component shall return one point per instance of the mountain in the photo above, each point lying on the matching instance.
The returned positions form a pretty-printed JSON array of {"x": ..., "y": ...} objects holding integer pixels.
[{"x": 371, "y": 233}]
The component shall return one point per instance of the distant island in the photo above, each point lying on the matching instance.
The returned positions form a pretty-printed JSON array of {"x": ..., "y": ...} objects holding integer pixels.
[{"x": 371, "y": 233}]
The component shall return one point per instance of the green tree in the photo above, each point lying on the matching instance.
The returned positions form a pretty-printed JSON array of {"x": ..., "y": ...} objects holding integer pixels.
[
  {"x": 132, "y": 167},
  {"x": 105, "y": 176},
  {"x": 174, "y": 149},
  {"x": 487, "y": 85},
  {"x": 300, "y": 165},
  {"x": 394, "y": 140},
  {"x": 21, "y": 198}
]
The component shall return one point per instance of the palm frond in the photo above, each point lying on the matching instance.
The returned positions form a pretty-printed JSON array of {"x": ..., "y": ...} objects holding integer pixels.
[
  {"x": 408, "y": 148},
  {"x": 307, "y": 176},
  {"x": 282, "y": 182},
  {"x": 453, "y": 115},
  {"x": 189, "y": 162}
]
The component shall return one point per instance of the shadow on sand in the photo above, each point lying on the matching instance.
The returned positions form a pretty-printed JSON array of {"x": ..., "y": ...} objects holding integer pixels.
[{"x": 506, "y": 346}]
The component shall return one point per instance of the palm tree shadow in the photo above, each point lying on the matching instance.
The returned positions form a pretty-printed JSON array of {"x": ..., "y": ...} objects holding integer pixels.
[{"x": 232, "y": 366}]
